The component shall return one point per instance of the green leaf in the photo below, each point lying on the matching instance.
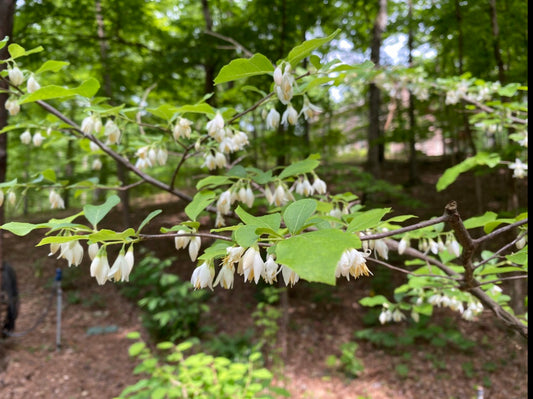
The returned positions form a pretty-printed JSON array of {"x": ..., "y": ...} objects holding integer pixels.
[
  {"x": 305, "y": 49},
  {"x": 17, "y": 51},
  {"x": 377, "y": 300},
  {"x": 212, "y": 181},
  {"x": 272, "y": 221},
  {"x": 297, "y": 213},
  {"x": 201, "y": 108},
  {"x": 61, "y": 239},
  {"x": 201, "y": 200},
  {"x": 110, "y": 235},
  {"x": 52, "y": 65},
  {"x": 95, "y": 213},
  {"x": 21, "y": 229},
  {"x": 164, "y": 111},
  {"x": 3, "y": 42},
  {"x": 136, "y": 348},
  {"x": 240, "y": 68},
  {"x": 364, "y": 220},
  {"x": 451, "y": 174},
  {"x": 314, "y": 256},
  {"x": 87, "y": 89},
  {"x": 519, "y": 257},
  {"x": 509, "y": 90},
  {"x": 246, "y": 235},
  {"x": 300, "y": 167},
  {"x": 480, "y": 221},
  {"x": 147, "y": 219}
]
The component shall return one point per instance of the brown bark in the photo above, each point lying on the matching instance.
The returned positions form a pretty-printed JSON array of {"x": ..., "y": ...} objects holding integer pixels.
[
  {"x": 122, "y": 174},
  {"x": 496, "y": 41},
  {"x": 7, "y": 12},
  {"x": 413, "y": 174},
  {"x": 375, "y": 148}
]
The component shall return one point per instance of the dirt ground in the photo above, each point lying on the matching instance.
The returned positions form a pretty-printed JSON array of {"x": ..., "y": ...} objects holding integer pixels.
[{"x": 97, "y": 365}]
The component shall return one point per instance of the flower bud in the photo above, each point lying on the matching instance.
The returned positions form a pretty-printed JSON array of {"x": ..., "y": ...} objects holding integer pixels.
[
  {"x": 33, "y": 85},
  {"x": 15, "y": 76}
]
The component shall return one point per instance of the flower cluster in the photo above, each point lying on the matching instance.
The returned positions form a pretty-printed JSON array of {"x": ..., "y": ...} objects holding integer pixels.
[
  {"x": 248, "y": 263},
  {"x": 26, "y": 138},
  {"x": 151, "y": 155},
  {"x": 119, "y": 271},
  {"x": 387, "y": 315},
  {"x": 519, "y": 169},
  {"x": 352, "y": 263},
  {"x": 56, "y": 201}
]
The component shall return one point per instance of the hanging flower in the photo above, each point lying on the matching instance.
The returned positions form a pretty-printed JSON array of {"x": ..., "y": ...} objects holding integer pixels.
[
  {"x": 12, "y": 106},
  {"x": 181, "y": 240},
  {"x": 25, "y": 137},
  {"x": 519, "y": 169},
  {"x": 270, "y": 270},
  {"x": 290, "y": 116},
  {"x": 403, "y": 245},
  {"x": 100, "y": 267},
  {"x": 97, "y": 164},
  {"x": 182, "y": 129},
  {"x": 194, "y": 247},
  {"x": 203, "y": 276},
  {"x": 56, "y": 201},
  {"x": 225, "y": 276},
  {"x": 32, "y": 84},
  {"x": 37, "y": 139},
  {"x": 15, "y": 76},
  {"x": 121, "y": 268},
  {"x": 272, "y": 119},
  {"x": 319, "y": 186},
  {"x": 93, "y": 250},
  {"x": 112, "y": 132},
  {"x": 352, "y": 263},
  {"x": 289, "y": 276},
  {"x": 309, "y": 110}
]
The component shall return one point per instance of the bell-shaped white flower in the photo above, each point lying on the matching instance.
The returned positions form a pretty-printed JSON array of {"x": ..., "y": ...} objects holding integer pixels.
[
  {"x": 100, "y": 267},
  {"x": 225, "y": 277},
  {"x": 202, "y": 276},
  {"x": 112, "y": 132},
  {"x": 15, "y": 76},
  {"x": 121, "y": 268},
  {"x": 181, "y": 241},
  {"x": 403, "y": 245},
  {"x": 352, "y": 263},
  {"x": 32, "y": 84},
  {"x": 220, "y": 160},
  {"x": 93, "y": 250},
  {"x": 54, "y": 247},
  {"x": 519, "y": 169},
  {"x": 270, "y": 270},
  {"x": 72, "y": 252},
  {"x": 309, "y": 110},
  {"x": 12, "y": 106},
  {"x": 278, "y": 75},
  {"x": 25, "y": 137},
  {"x": 397, "y": 316},
  {"x": 280, "y": 196},
  {"x": 272, "y": 119},
  {"x": 521, "y": 243},
  {"x": 182, "y": 129},
  {"x": 453, "y": 247},
  {"x": 194, "y": 247},
  {"x": 97, "y": 164},
  {"x": 289, "y": 276},
  {"x": 215, "y": 126},
  {"x": 56, "y": 201},
  {"x": 37, "y": 139},
  {"x": 162, "y": 156},
  {"x": 224, "y": 202},
  {"x": 319, "y": 186},
  {"x": 385, "y": 316},
  {"x": 381, "y": 248},
  {"x": 290, "y": 116},
  {"x": 11, "y": 197}
]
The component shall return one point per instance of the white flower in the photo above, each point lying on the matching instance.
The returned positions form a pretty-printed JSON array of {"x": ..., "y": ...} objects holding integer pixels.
[
  {"x": 385, "y": 316},
  {"x": 194, "y": 247},
  {"x": 93, "y": 250},
  {"x": 1, "y": 197},
  {"x": 56, "y": 202},
  {"x": 415, "y": 316},
  {"x": 520, "y": 169},
  {"x": 456, "y": 305},
  {"x": 278, "y": 75},
  {"x": 290, "y": 116},
  {"x": 97, "y": 164},
  {"x": 112, "y": 132},
  {"x": 224, "y": 202},
  {"x": 272, "y": 119},
  {"x": 15, "y": 76},
  {"x": 280, "y": 196},
  {"x": 100, "y": 267},
  {"x": 215, "y": 125},
  {"x": 397, "y": 316},
  {"x": 220, "y": 160},
  {"x": 37, "y": 139},
  {"x": 309, "y": 110},
  {"x": 381, "y": 249},
  {"x": 233, "y": 255},
  {"x": 162, "y": 156},
  {"x": 121, "y": 269},
  {"x": 453, "y": 248},
  {"x": 521, "y": 243},
  {"x": 352, "y": 263},
  {"x": 252, "y": 265},
  {"x": 433, "y": 246},
  {"x": 93, "y": 146},
  {"x": 87, "y": 125},
  {"x": 225, "y": 277},
  {"x": 25, "y": 137},
  {"x": 12, "y": 106},
  {"x": 270, "y": 270},
  {"x": 403, "y": 245},
  {"x": 182, "y": 129},
  {"x": 11, "y": 197},
  {"x": 289, "y": 275},
  {"x": 72, "y": 252},
  {"x": 435, "y": 300},
  {"x": 303, "y": 187},
  {"x": 319, "y": 185},
  {"x": 33, "y": 85},
  {"x": 181, "y": 241},
  {"x": 203, "y": 276}
]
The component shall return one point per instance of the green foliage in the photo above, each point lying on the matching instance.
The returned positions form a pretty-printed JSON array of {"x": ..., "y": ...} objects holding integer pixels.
[
  {"x": 266, "y": 320},
  {"x": 422, "y": 332},
  {"x": 171, "y": 373},
  {"x": 171, "y": 308},
  {"x": 348, "y": 362}
]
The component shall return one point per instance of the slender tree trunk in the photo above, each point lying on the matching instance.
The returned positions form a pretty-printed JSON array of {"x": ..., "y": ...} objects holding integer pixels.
[
  {"x": 209, "y": 66},
  {"x": 7, "y": 12},
  {"x": 375, "y": 148},
  {"x": 413, "y": 174},
  {"x": 122, "y": 174},
  {"x": 496, "y": 41}
]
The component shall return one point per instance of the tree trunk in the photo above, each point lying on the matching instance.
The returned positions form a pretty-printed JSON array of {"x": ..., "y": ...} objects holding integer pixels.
[
  {"x": 413, "y": 174},
  {"x": 122, "y": 173},
  {"x": 7, "y": 12},
  {"x": 375, "y": 148},
  {"x": 496, "y": 41}
]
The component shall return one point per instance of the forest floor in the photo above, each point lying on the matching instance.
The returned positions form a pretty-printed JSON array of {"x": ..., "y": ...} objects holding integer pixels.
[{"x": 97, "y": 366}]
